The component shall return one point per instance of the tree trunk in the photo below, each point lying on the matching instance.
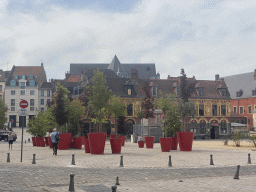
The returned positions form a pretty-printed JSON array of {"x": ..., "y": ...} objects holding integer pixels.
[{"x": 115, "y": 127}]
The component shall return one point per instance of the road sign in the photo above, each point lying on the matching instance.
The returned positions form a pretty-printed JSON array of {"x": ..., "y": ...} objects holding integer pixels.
[
  {"x": 23, "y": 104},
  {"x": 11, "y": 120},
  {"x": 23, "y": 112}
]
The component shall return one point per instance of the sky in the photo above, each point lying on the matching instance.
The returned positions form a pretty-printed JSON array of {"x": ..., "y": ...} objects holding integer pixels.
[{"x": 205, "y": 37}]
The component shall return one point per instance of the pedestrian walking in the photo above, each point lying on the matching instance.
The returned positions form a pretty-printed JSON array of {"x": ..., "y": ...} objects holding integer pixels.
[
  {"x": 55, "y": 137},
  {"x": 10, "y": 139}
]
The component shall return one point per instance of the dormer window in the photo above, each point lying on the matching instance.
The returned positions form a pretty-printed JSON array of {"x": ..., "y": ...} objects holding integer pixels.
[
  {"x": 154, "y": 91},
  {"x": 22, "y": 85},
  {"x": 30, "y": 76},
  {"x": 200, "y": 91},
  {"x": 15, "y": 76},
  {"x": 32, "y": 83},
  {"x": 254, "y": 92},
  {"x": 129, "y": 91},
  {"x": 239, "y": 93},
  {"x": 13, "y": 83},
  {"x": 23, "y": 76}
]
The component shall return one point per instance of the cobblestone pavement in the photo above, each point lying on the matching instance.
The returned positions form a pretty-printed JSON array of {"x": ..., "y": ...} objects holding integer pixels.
[{"x": 144, "y": 169}]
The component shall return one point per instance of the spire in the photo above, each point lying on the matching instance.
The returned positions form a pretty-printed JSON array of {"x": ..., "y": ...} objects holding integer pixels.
[{"x": 115, "y": 65}]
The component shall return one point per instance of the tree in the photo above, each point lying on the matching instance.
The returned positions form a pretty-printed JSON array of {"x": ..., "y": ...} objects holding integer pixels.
[
  {"x": 116, "y": 108},
  {"x": 60, "y": 110},
  {"x": 147, "y": 102},
  {"x": 140, "y": 115},
  {"x": 37, "y": 126},
  {"x": 186, "y": 108},
  {"x": 99, "y": 95},
  {"x": 173, "y": 123},
  {"x": 3, "y": 110}
]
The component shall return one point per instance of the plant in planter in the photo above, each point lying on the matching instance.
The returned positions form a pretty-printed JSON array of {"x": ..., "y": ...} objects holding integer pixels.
[
  {"x": 236, "y": 138},
  {"x": 140, "y": 115}
]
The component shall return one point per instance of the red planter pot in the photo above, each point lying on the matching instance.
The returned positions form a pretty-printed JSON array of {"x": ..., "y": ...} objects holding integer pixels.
[
  {"x": 86, "y": 146},
  {"x": 72, "y": 144},
  {"x": 185, "y": 140},
  {"x": 34, "y": 141},
  {"x": 78, "y": 142},
  {"x": 47, "y": 140},
  {"x": 174, "y": 143},
  {"x": 38, "y": 141},
  {"x": 114, "y": 136},
  {"x": 42, "y": 144},
  {"x": 116, "y": 145},
  {"x": 50, "y": 142},
  {"x": 65, "y": 139},
  {"x": 97, "y": 142},
  {"x": 165, "y": 144},
  {"x": 149, "y": 142},
  {"x": 141, "y": 144},
  {"x": 82, "y": 139},
  {"x": 123, "y": 139}
]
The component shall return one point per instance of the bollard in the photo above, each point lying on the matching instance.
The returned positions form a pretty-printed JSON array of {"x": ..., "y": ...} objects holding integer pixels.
[
  {"x": 25, "y": 141},
  {"x": 114, "y": 188},
  {"x": 28, "y": 139},
  {"x": 117, "y": 181},
  {"x": 121, "y": 161},
  {"x": 73, "y": 160},
  {"x": 71, "y": 184},
  {"x": 34, "y": 159},
  {"x": 211, "y": 160},
  {"x": 237, "y": 172},
  {"x": 249, "y": 159},
  {"x": 170, "y": 161},
  {"x": 8, "y": 157}
]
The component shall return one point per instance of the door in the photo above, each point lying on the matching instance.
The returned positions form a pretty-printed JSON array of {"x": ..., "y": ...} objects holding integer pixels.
[
  {"x": 22, "y": 121},
  {"x": 212, "y": 132},
  {"x": 12, "y": 119}
]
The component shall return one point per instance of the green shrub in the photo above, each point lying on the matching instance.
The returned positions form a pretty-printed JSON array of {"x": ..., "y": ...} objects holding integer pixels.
[
  {"x": 252, "y": 139},
  {"x": 236, "y": 138}
]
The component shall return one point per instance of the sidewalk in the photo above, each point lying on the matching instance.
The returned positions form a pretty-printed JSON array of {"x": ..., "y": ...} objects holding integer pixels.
[{"x": 144, "y": 169}]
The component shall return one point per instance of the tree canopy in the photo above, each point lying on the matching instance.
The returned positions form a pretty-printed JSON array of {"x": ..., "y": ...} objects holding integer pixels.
[
  {"x": 147, "y": 105},
  {"x": 3, "y": 110}
]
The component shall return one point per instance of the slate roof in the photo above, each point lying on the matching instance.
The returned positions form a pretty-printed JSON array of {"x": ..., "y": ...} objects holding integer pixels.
[
  {"x": 4, "y": 75},
  {"x": 106, "y": 73},
  {"x": 244, "y": 82},
  {"x": 47, "y": 85},
  {"x": 38, "y": 72}
]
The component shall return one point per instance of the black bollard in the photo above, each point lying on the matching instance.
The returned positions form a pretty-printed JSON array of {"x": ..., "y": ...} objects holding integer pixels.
[
  {"x": 73, "y": 160},
  {"x": 34, "y": 159},
  {"x": 249, "y": 159},
  {"x": 28, "y": 139},
  {"x": 117, "y": 181},
  {"x": 25, "y": 141},
  {"x": 211, "y": 160},
  {"x": 71, "y": 184},
  {"x": 170, "y": 161},
  {"x": 121, "y": 161},
  {"x": 114, "y": 187},
  {"x": 8, "y": 157},
  {"x": 237, "y": 172}
]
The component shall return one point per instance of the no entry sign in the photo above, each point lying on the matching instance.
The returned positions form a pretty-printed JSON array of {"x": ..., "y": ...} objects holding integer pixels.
[{"x": 23, "y": 104}]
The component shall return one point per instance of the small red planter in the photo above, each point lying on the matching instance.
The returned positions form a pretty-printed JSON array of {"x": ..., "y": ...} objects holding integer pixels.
[
  {"x": 78, "y": 142},
  {"x": 149, "y": 142},
  {"x": 42, "y": 144},
  {"x": 97, "y": 142},
  {"x": 65, "y": 139},
  {"x": 34, "y": 141},
  {"x": 174, "y": 143},
  {"x": 38, "y": 141},
  {"x": 116, "y": 145},
  {"x": 86, "y": 146},
  {"x": 185, "y": 140},
  {"x": 165, "y": 144},
  {"x": 82, "y": 139},
  {"x": 123, "y": 139},
  {"x": 141, "y": 144}
]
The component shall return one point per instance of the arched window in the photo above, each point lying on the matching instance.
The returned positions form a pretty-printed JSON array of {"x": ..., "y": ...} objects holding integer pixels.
[
  {"x": 223, "y": 127},
  {"x": 129, "y": 110},
  {"x": 194, "y": 127}
]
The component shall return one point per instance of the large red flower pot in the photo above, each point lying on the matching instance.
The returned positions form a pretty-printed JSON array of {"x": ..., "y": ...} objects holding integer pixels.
[
  {"x": 114, "y": 136},
  {"x": 72, "y": 144},
  {"x": 82, "y": 139},
  {"x": 42, "y": 144},
  {"x": 38, "y": 141},
  {"x": 165, "y": 144},
  {"x": 47, "y": 140},
  {"x": 86, "y": 145},
  {"x": 116, "y": 145},
  {"x": 174, "y": 143},
  {"x": 65, "y": 139},
  {"x": 50, "y": 142},
  {"x": 141, "y": 144},
  {"x": 149, "y": 142},
  {"x": 185, "y": 140},
  {"x": 97, "y": 142},
  {"x": 78, "y": 142},
  {"x": 123, "y": 139},
  {"x": 34, "y": 141}
]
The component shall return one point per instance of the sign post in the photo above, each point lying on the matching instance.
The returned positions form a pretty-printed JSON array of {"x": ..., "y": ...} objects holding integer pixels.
[{"x": 22, "y": 112}]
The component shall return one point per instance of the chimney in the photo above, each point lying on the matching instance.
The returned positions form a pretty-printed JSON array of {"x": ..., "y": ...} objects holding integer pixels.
[
  {"x": 42, "y": 64},
  {"x": 134, "y": 74},
  {"x": 254, "y": 74},
  {"x": 217, "y": 77}
]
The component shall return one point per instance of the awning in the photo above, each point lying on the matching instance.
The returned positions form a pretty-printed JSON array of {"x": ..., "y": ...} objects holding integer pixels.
[{"x": 238, "y": 125}]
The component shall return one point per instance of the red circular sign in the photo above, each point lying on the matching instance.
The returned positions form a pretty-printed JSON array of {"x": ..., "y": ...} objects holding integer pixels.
[
  {"x": 23, "y": 104},
  {"x": 11, "y": 120}
]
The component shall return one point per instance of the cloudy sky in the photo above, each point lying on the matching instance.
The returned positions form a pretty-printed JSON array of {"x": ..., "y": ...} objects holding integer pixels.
[{"x": 205, "y": 37}]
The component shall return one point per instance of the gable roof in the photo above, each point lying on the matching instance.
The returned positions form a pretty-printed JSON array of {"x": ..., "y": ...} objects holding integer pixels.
[
  {"x": 47, "y": 85},
  {"x": 73, "y": 78},
  {"x": 244, "y": 82}
]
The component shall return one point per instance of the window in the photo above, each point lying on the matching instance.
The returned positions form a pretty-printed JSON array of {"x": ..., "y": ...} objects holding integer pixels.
[
  {"x": 129, "y": 91},
  {"x": 42, "y": 109},
  {"x": 193, "y": 127},
  {"x": 154, "y": 91},
  {"x": 42, "y": 101},
  {"x": 129, "y": 110},
  {"x": 12, "y": 92},
  {"x": 253, "y": 92},
  {"x": 202, "y": 129},
  {"x": 15, "y": 76},
  {"x": 12, "y": 108},
  {"x": 239, "y": 93},
  {"x": 30, "y": 76},
  {"x": 22, "y": 85},
  {"x": 223, "y": 127},
  {"x": 200, "y": 92},
  {"x": 48, "y": 93},
  {"x": 235, "y": 110},
  {"x": 223, "y": 92},
  {"x": 223, "y": 110},
  {"x": 13, "y": 83},
  {"x": 32, "y": 109},
  {"x": 241, "y": 110},
  {"x": 201, "y": 110},
  {"x": 32, "y": 83},
  {"x": 32, "y": 102},
  {"x": 243, "y": 121},
  {"x": 214, "y": 110},
  {"x": 12, "y": 102},
  {"x": 22, "y": 92},
  {"x": 1, "y": 88},
  {"x": 32, "y": 92},
  {"x": 1, "y": 96},
  {"x": 249, "y": 109},
  {"x": 48, "y": 101},
  {"x": 42, "y": 93},
  {"x": 23, "y": 77}
]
